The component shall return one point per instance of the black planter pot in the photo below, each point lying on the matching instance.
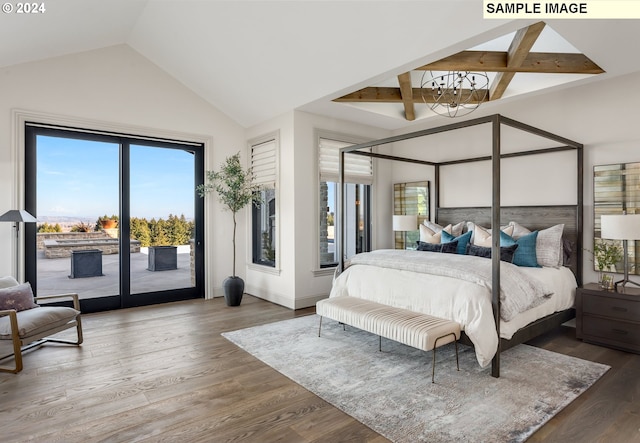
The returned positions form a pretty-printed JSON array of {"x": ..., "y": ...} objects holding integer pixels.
[{"x": 233, "y": 290}]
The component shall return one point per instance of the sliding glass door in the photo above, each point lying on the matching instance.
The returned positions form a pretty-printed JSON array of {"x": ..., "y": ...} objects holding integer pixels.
[
  {"x": 161, "y": 208},
  {"x": 119, "y": 221}
]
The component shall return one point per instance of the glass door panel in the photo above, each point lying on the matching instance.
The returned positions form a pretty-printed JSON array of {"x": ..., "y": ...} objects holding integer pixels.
[
  {"x": 162, "y": 209},
  {"x": 116, "y": 218},
  {"x": 77, "y": 185}
]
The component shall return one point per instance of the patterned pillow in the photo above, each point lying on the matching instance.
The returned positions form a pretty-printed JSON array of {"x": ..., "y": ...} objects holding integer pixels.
[{"x": 18, "y": 297}]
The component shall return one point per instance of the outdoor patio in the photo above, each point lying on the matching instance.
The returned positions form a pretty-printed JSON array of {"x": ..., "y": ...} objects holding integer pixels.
[{"x": 53, "y": 275}]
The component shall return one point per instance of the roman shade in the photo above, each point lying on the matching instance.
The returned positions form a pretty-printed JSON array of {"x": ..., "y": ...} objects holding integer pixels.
[
  {"x": 358, "y": 168},
  {"x": 264, "y": 164}
]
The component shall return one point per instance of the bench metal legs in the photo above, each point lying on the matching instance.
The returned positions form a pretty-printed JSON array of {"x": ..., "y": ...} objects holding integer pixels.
[{"x": 435, "y": 346}]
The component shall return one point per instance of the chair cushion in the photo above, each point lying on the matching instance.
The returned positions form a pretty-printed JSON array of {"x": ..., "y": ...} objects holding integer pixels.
[
  {"x": 18, "y": 297},
  {"x": 37, "y": 320}
]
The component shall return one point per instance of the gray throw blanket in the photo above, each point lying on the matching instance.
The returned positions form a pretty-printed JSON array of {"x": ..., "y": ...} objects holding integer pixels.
[{"x": 518, "y": 291}]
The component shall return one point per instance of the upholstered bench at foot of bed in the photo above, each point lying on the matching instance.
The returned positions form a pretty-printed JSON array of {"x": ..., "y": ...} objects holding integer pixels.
[{"x": 421, "y": 331}]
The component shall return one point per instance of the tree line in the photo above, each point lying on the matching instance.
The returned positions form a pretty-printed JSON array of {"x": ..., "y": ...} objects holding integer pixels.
[{"x": 173, "y": 231}]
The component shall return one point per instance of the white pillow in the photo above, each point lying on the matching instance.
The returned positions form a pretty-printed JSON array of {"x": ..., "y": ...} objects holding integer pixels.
[
  {"x": 518, "y": 230},
  {"x": 7, "y": 282},
  {"x": 549, "y": 246},
  {"x": 483, "y": 237},
  {"x": 428, "y": 235},
  {"x": 455, "y": 230}
]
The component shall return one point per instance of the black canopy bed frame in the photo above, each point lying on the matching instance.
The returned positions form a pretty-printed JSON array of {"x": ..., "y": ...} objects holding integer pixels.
[{"x": 534, "y": 217}]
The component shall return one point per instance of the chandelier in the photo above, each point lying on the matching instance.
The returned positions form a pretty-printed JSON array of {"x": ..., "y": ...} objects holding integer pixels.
[{"x": 454, "y": 93}]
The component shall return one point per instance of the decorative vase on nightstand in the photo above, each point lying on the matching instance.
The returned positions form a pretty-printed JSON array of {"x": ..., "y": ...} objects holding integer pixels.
[{"x": 605, "y": 280}]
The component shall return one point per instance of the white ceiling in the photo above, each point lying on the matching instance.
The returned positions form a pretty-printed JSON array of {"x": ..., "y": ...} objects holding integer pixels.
[{"x": 255, "y": 60}]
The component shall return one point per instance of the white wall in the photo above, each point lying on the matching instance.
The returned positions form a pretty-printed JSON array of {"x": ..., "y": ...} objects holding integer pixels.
[
  {"x": 310, "y": 288},
  {"x": 115, "y": 86},
  {"x": 298, "y": 283},
  {"x": 601, "y": 117},
  {"x": 277, "y": 285}
]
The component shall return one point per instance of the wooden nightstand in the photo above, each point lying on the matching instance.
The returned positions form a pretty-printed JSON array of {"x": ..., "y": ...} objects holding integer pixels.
[{"x": 609, "y": 318}]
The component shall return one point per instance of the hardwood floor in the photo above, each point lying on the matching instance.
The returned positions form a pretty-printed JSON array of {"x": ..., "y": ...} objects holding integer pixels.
[{"x": 164, "y": 373}]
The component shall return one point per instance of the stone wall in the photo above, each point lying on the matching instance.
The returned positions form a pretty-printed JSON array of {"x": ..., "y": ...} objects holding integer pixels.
[
  {"x": 42, "y": 236},
  {"x": 60, "y": 244}
]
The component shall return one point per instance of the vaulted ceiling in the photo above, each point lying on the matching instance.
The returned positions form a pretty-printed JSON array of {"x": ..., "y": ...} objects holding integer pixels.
[{"x": 255, "y": 60}]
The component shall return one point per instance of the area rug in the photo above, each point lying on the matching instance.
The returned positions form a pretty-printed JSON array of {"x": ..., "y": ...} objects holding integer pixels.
[{"x": 391, "y": 391}]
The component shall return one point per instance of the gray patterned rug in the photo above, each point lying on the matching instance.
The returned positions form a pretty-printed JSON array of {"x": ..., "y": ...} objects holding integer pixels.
[{"x": 391, "y": 392}]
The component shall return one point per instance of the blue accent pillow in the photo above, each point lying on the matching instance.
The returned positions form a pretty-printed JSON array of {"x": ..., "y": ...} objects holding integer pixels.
[
  {"x": 525, "y": 254},
  {"x": 463, "y": 240}
]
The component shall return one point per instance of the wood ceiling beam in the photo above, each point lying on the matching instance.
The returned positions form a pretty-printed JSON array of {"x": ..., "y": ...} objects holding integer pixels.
[
  {"x": 375, "y": 94},
  {"x": 535, "y": 62},
  {"x": 516, "y": 55},
  {"x": 505, "y": 64},
  {"x": 406, "y": 93}
]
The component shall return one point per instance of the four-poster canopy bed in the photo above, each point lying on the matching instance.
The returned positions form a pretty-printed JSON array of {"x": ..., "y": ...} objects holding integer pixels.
[{"x": 534, "y": 217}]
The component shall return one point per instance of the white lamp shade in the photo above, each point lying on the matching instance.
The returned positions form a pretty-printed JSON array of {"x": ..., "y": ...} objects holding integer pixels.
[
  {"x": 620, "y": 227},
  {"x": 405, "y": 222}
]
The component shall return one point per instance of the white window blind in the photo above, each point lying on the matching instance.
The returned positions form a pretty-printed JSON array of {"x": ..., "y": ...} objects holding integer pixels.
[
  {"x": 264, "y": 164},
  {"x": 357, "y": 168}
]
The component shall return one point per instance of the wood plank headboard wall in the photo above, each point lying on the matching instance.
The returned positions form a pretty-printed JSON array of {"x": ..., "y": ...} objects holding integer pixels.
[{"x": 531, "y": 217}]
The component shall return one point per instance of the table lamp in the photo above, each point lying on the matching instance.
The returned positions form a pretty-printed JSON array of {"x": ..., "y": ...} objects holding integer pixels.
[
  {"x": 621, "y": 227},
  {"x": 405, "y": 223}
]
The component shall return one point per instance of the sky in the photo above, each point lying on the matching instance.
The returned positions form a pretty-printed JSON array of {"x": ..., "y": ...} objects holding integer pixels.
[{"x": 79, "y": 178}]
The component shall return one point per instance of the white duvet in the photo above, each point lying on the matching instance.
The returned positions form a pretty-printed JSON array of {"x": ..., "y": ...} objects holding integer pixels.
[{"x": 462, "y": 301}]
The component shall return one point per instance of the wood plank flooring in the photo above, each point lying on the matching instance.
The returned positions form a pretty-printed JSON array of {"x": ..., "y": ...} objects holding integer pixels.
[{"x": 164, "y": 373}]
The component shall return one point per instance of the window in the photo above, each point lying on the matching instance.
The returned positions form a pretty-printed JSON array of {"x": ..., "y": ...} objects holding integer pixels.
[
  {"x": 357, "y": 218},
  {"x": 264, "y": 215}
]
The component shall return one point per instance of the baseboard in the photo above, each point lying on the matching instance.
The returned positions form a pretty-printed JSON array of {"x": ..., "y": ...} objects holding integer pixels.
[
  {"x": 309, "y": 300},
  {"x": 282, "y": 300},
  {"x": 278, "y": 299}
]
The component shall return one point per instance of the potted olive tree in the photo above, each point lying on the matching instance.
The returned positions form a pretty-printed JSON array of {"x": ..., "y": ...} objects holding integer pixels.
[{"x": 235, "y": 188}]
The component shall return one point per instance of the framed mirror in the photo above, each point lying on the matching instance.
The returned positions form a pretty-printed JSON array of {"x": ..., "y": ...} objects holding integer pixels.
[
  {"x": 616, "y": 190},
  {"x": 410, "y": 199}
]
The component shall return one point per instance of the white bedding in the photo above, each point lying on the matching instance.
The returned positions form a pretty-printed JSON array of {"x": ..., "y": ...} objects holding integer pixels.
[
  {"x": 561, "y": 281},
  {"x": 462, "y": 301}
]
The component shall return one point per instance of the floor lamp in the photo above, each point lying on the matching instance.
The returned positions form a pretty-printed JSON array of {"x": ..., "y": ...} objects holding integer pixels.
[
  {"x": 621, "y": 227},
  {"x": 17, "y": 216}
]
